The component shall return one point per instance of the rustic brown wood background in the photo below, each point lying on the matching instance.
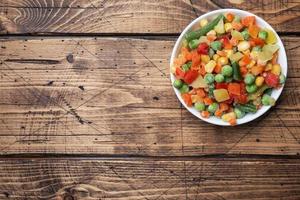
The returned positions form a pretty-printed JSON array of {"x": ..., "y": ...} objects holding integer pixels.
[{"x": 87, "y": 110}]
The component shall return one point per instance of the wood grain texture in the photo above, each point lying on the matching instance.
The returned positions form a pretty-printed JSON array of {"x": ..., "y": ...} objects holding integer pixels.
[
  {"x": 84, "y": 96},
  {"x": 213, "y": 179},
  {"x": 98, "y": 16}
]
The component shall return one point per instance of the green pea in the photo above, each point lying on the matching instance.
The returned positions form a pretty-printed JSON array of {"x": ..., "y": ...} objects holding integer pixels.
[
  {"x": 245, "y": 34},
  {"x": 184, "y": 88},
  {"x": 251, "y": 88},
  {"x": 249, "y": 79},
  {"x": 228, "y": 79},
  {"x": 263, "y": 35},
  {"x": 186, "y": 67},
  {"x": 257, "y": 48},
  {"x": 267, "y": 100},
  {"x": 209, "y": 78},
  {"x": 281, "y": 79},
  {"x": 199, "y": 106},
  {"x": 227, "y": 70},
  {"x": 193, "y": 44},
  {"x": 211, "y": 52},
  {"x": 213, "y": 107},
  {"x": 216, "y": 45},
  {"x": 177, "y": 83},
  {"x": 219, "y": 78},
  {"x": 239, "y": 114}
]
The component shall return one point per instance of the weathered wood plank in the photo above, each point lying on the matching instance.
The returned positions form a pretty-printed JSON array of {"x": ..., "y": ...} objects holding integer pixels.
[
  {"x": 83, "y": 96},
  {"x": 97, "y": 16},
  {"x": 150, "y": 179}
]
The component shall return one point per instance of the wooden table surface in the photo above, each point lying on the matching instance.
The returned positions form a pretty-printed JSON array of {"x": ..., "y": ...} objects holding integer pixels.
[{"x": 87, "y": 110}]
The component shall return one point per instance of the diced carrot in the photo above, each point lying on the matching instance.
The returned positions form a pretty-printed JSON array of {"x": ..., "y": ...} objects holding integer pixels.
[
  {"x": 233, "y": 41},
  {"x": 245, "y": 60},
  {"x": 211, "y": 37},
  {"x": 253, "y": 30},
  {"x": 218, "y": 113},
  {"x": 257, "y": 41},
  {"x": 201, "y": 93},
  {"x": 196, "y": 59},
  {"x": 252, "y": 43},
  {"x": 249, "y": 20},
  {"x": 193, "y": 92},
  {"x": 234, "y": 88},
  {"x": 207, "y": 101},
  {"x": 187, "y": 99},
  {"x": 257, "y": 69},
  {"x": 202, "y": 69},
  {"x": 221, "y": 53},
  {"x": 229, "y": 17},
  {"x": 232, "y": 121},
  {"x": 218, "y": 68},
  {"x": 274, "y": 58},
  {"x": 243, "y": 70},
  {"x": 224, "y": 106},
  {"x": 237, "y": 26},
  {"x": 205, "y": 114}
]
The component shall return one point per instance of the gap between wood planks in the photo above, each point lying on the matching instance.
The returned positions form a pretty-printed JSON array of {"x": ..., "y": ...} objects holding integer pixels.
[{"x": 137, "y": 157}]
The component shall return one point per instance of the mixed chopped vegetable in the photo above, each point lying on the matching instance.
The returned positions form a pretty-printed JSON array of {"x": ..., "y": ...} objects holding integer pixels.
[{"x": 228, "y": 67}]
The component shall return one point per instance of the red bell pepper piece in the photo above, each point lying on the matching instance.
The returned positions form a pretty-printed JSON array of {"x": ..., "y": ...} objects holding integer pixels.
[
  {"x": 179, "y": 73},
  {"x": 190, "y": 76},
  {"x": 203, "y": 48},
  {"x": 221, "y": 85},
  {"x": 272, "y": 80}
]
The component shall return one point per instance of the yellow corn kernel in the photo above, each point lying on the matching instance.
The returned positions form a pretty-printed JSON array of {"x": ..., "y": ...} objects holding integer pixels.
[
  {"x": 203, "y": 22},
  {"x": 268, "y": 67},
  {"x": 223, "y": 61},
  {"x": 251, "y": 64},
  {"x": 209, "y": 67},
  {"x": 259, "y": 81},
  {"x": 276, "y": 69},
  {"x": 228, "y": 27},
  {"x": 229, "y": 52},
  {"x": 216, "y": 57},
  {"x": 205, "y": 58},
  {"x": 212, "y": 32},
  {"x": 185, "y": 43}
]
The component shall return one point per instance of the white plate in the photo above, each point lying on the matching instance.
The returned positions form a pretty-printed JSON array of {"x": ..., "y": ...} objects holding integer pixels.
[{"x": 282, "y": 60}]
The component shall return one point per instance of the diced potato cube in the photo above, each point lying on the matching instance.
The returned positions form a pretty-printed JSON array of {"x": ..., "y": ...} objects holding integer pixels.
[
  {"x": 203, "y": 22},
  {"x": 199, "y": 82},
  {"x": 228, "y": 27},
  {"x": 228, "y": 116},
  {"x": 209, "y": 67},
  {"x": 221, "y": 95}
]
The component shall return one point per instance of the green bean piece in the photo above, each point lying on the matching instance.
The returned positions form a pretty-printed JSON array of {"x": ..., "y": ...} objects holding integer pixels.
[
  {"x": 186, "y": 67},
  {"x": 193, "y": 44},
  {"x": 268, "y": 91},
  {"x": 227, "y": 70},
  {"x": 245, "y": 34},
  {"x": 212, "y": 107},
  {"x": 247, "y": 108},
  {"x": 199, "y": 106},
  {"x": 177, "y": 83},
  {"x": 228, "y": 79},
  {"x": 263, "y": 35},
  {"x": 249, "y": 79},
  {"x": 239, "y": 114},
  {"x": 201, "y": 32},
  {"x": 281, "y": 79},
  {"x": 258, "y": 93},
  {"x": 251, "y": 88},
  {"x": 216, "y": 45},
  {"x": 236, "y": 72},
  {"x": 184, "y": 89},
  {"x": 219, "y": 78}
]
